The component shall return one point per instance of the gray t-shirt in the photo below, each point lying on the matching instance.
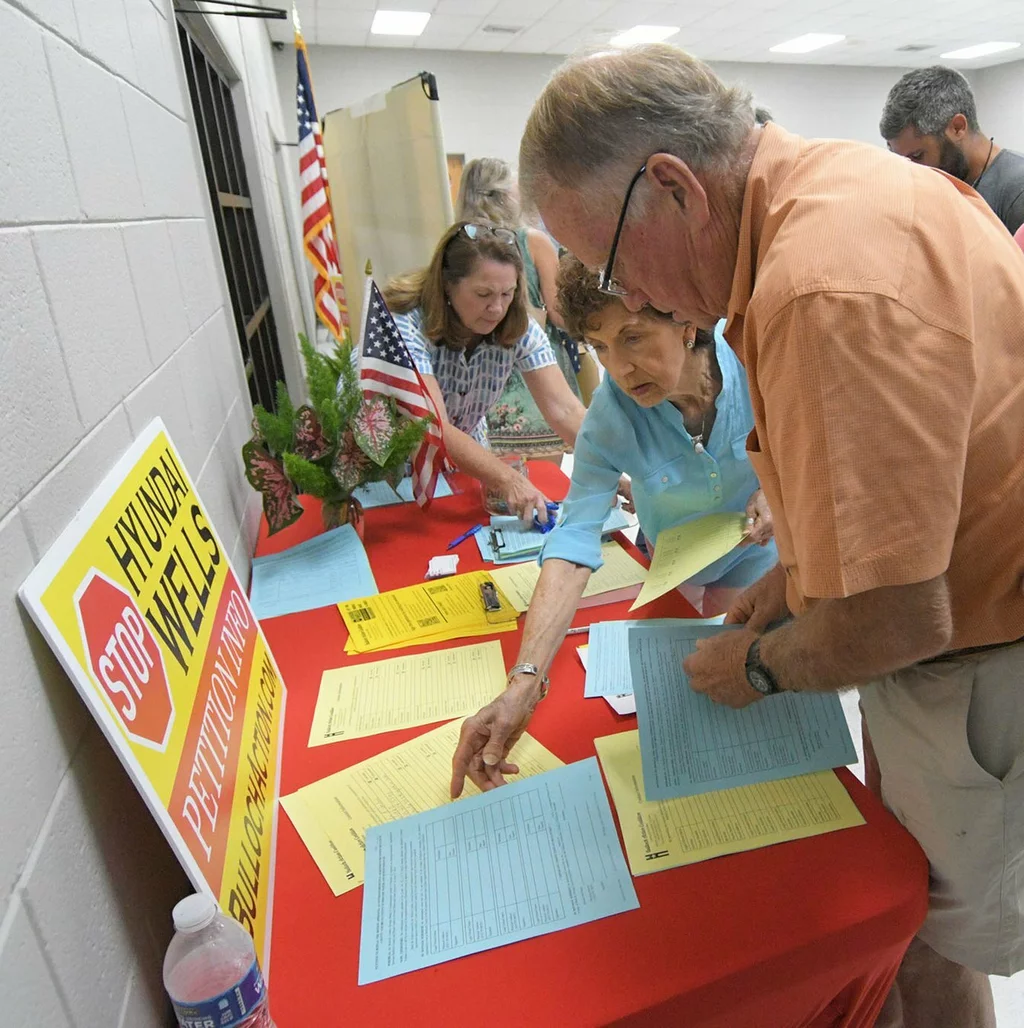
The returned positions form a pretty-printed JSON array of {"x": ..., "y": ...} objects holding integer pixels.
[{"x": 1002, "y": 186}]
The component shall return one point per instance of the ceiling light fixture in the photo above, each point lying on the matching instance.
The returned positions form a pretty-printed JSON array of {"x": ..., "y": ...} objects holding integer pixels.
[
  {"x": 644, "y": 34},
  {"x": 981, "y": 50},
  {"x": 399, "y": 23},
  {"x": 805, "y": 44}
]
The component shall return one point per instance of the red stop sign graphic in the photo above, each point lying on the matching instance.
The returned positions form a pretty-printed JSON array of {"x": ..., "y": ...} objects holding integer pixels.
[{"x": 125, "y": 659}]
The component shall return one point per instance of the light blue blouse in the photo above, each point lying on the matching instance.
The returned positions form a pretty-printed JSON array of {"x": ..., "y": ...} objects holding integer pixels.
[
  {"x": 672, "y": 483},
  {"x": 471, "y": 388}
]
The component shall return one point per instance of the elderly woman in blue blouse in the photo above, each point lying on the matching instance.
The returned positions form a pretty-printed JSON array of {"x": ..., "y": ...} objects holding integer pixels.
[
  {"x": 465, "y": 323},
  {"x": 673, "y": 412}
]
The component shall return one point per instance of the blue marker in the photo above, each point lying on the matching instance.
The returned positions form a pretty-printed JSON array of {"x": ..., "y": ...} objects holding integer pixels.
[{"x": 462, "y": 538}]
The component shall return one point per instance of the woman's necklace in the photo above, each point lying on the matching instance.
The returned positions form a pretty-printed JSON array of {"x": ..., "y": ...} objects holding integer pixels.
[
  {"x": 991, "y": 143},
  {"x": 698, "y": 440}
]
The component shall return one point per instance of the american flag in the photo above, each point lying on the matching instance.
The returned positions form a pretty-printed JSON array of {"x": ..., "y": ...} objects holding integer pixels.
[
  {"x": 385, "y": 367},
  {"x": 317, "y": 223}
]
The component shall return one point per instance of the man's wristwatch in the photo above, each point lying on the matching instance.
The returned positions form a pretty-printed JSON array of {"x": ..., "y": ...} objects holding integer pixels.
[
  {"x": 758, "y": 675},
  {"x": 528, "y": 669}
]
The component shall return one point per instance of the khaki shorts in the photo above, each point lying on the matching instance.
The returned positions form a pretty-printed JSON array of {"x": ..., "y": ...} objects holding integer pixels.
[{"x": 949, "y": 738}]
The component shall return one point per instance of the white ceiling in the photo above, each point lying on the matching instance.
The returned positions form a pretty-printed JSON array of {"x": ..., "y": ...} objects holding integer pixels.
[{"x": 719, "y": 30}]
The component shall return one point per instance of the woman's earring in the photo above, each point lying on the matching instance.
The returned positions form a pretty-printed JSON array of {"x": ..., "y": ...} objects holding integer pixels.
[{"x": 690, "y": 344}]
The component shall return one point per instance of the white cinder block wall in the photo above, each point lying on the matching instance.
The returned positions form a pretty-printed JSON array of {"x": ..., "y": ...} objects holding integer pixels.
[{"x": 113, "y": 310}]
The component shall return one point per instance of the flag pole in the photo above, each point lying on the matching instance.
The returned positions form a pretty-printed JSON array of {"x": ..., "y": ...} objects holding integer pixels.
[{"x": 367, "y": 285}]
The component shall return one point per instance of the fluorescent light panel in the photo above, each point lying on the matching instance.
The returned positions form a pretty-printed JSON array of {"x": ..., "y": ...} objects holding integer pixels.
[
  {"x": 981, "y": 50},
  {"x": 399, "y": 23},
  {"x": 805, "y": 44},
  {"x": 644, "y": 34}
]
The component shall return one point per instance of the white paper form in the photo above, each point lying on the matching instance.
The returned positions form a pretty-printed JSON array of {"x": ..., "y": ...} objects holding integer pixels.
[
  {"x": 524, "y": 860},
  {"x": 691, "y": 745}
]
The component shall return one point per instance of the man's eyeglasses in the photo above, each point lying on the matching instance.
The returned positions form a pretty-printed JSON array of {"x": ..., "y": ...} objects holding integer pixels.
[
  {"x": 608, "y": 285},
  {"x": 503, "y": 235}
]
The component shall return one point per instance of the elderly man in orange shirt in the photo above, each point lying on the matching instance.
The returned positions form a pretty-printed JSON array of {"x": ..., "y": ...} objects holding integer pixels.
[{"x": 879, "y": 310}]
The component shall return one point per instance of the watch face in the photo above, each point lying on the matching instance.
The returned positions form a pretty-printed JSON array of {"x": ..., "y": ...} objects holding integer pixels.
[{"x": 759, "y": 681}]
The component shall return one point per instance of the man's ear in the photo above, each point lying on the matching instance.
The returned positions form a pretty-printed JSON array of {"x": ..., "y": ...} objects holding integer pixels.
[
  {"x": 956, "y": 128},
  {"x": 672, "y": 177}
]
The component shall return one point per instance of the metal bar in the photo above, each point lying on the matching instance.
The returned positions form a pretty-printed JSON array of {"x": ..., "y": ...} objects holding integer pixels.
[
  {"x": 233, "y": 200},
  {"x": 254, "y": 322},
  {"x": 246, "y": 11}
]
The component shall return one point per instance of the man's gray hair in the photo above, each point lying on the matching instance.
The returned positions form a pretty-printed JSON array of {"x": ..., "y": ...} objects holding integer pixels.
[
  {"x": 615, "y": 108},
  {"x": 927, "y": 99}
]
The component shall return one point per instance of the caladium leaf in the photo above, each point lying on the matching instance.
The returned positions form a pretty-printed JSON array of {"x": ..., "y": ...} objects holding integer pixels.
[
  {"x": 310, "y": 441},
  {"x": 266, "y": 475},
  {"x": 374, "y": 429},
  {"x": 350, "y": 463}
]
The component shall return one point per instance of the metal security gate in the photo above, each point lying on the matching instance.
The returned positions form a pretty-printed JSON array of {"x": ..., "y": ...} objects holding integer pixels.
[{"x": 217, "y": 125}]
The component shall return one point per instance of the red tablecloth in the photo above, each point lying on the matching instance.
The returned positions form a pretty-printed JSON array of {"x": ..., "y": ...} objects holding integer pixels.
[{"x": 804, "y": 934}]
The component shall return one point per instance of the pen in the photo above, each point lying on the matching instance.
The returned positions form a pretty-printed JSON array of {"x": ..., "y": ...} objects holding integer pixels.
[
  {"x": 465, "y": 535},
  {"x": 578, "y": 631}
]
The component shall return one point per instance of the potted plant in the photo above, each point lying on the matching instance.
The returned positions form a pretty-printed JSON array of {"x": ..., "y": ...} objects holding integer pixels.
[{"x": 329, "y": 447}]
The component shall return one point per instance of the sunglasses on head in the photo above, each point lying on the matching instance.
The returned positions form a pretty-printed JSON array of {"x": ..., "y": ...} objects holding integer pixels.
[{"x": 503, "y": 235}]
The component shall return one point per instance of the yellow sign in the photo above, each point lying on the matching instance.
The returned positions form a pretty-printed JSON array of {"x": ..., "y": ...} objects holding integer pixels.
[{"x": 139, "y": 602}]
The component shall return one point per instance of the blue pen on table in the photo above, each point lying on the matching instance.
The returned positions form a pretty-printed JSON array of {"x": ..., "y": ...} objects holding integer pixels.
[{"x": 465, "y": 535}]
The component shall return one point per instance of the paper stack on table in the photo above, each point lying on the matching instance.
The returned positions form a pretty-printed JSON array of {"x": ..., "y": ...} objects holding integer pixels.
[
  {"x": 317, "y": 573},
  {"x": 660, "y": 834},
  {"x": 530, "y": 858},
  {"x": 332, "y": 815},
  {"x": 691, "y": 745},
  {"x": 403, "y": 692},
  {"x": 380, "y": 494},
  {"x": 429, "y": 612},
  {"x": 619, "y": 573},
  {"x": 680, "y": 552}
]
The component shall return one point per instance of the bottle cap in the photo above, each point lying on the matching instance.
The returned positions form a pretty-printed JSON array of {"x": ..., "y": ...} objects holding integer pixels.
[{"x": 194, "y": 912}]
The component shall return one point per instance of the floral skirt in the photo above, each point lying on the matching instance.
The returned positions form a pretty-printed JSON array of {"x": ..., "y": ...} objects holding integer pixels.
[{"x": 514, "y": 423}]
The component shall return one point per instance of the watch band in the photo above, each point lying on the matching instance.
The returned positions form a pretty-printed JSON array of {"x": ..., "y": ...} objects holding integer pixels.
[
  {"x": 528, "y": 669},
  {"x": 759, "y": 675}
]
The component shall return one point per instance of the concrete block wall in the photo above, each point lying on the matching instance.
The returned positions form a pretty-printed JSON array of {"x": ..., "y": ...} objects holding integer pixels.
[{"x": 113, "y": 310}]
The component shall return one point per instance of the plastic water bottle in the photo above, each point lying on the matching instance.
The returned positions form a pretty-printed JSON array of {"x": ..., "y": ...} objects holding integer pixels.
[{"x": 211, "y": 972}]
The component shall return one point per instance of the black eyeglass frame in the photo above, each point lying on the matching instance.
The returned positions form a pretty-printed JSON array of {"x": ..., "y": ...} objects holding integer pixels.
[{"x": 607, "y": 284}]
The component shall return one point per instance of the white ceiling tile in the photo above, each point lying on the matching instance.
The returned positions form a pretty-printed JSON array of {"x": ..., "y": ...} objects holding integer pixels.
[
  {"x": 447, "y": 31},
  {"x": 344, "y": 19},
  {"x": 476, "y": 8},
  {"x": 520, "y": 12},
  {"x": 737, "y": 30},
  {"x": 342, "y": 37},
  {"x": 334, "y": 6},
  {"x": 485, "y": 41}
]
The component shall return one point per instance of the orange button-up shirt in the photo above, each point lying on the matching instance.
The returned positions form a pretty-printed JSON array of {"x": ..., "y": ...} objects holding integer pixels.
[{"x": 879, "y": 310}]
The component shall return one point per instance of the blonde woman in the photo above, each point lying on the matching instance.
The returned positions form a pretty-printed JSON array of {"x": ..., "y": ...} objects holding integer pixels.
[
  {"x": 488, "y": 193},
  {"x": 465, "y": 323}
]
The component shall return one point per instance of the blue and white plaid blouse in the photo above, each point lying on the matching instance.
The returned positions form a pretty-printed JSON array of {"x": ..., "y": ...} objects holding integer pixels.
[{"x": 470, "y": 388}]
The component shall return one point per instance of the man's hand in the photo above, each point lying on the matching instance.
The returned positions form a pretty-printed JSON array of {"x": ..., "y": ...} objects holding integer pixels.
[
  {"x": 488, "y": 736},
  {"x": 762, "y": 604},
  {"x": 760, "y": 527},
  {"x": 718, "y": 669}
]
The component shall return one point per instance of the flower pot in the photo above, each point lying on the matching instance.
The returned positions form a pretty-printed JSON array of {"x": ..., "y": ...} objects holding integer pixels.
[{"x": 339, "y": 512}]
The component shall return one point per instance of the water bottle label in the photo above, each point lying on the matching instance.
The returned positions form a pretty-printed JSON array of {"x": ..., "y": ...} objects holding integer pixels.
[{"x": 226, "y": 1010}]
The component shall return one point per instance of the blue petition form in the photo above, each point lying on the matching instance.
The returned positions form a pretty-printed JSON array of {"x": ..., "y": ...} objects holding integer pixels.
[
  {"x": 380, "y": 494},
  {"x": 690, "y": 745},
  {"x": 530, "y": 858},
  {"x": 608, "y": 657},
  {"x": 324, "y": 570}
]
